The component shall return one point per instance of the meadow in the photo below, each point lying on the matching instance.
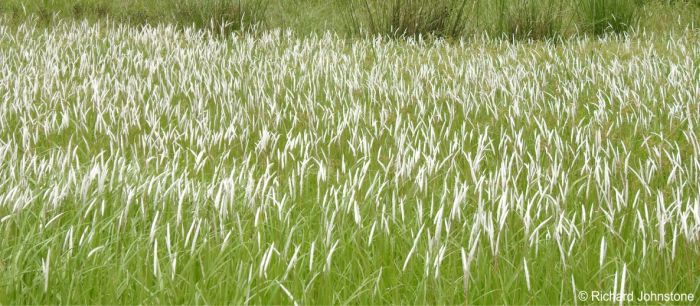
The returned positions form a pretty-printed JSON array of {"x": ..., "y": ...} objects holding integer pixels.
[
  {"x": 454, "y": 19},
  {"x": 166, "y": 163}
]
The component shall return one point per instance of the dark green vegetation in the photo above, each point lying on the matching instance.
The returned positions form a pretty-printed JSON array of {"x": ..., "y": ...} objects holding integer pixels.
[{"x": 512, "y": 19}]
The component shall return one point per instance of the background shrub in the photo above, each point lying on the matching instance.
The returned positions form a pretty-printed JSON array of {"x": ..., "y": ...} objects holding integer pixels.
[
  {"x": 407, "y": 18},
  {"x": 602, "y": 16},
  {"x": 510, "y": 19},
  {"x": 533, "y": 20}
]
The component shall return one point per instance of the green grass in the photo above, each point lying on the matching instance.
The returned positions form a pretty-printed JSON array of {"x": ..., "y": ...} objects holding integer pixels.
[
  {"x": 509, "y": 19},
  {"x": 601, "y": 16},
  {"x": 408, "y": 18},
  {"x": 539, "y": 20},
  {"x": 220, "y": 16},
  {"x": 156, "y": 165}
]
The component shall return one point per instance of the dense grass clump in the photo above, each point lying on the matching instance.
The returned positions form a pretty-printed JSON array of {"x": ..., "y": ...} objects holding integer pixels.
[
  {"x": 408, "y": 18},
  {"x": 512, "y": 19},
  {"x": 533, "y": 19},
  {"x": 604, "y": 16}
]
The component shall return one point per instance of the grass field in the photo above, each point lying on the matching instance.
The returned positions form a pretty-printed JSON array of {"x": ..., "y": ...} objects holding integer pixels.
[
  {"x": 512, "y": 19},
  {"x": 167, "y": 165}
]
